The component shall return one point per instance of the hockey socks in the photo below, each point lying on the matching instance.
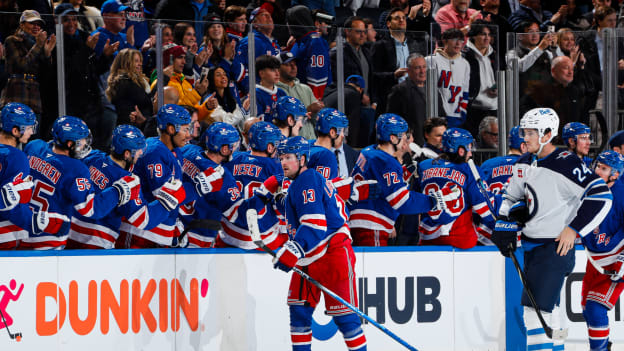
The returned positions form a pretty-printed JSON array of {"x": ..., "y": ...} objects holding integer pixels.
[
  {"x": 301, "y": 327},
  {"x": 351, "y": 328},
  {"x": 597, "y": 325},
  {"x": 536, "y": 336}
]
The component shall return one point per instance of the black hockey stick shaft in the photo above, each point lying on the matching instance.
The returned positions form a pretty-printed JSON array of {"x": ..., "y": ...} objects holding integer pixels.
[{"x": 12, "y": 336}]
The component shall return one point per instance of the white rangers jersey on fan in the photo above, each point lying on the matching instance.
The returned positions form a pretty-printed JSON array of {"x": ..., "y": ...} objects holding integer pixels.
[
  {"x": 559, "y": 191},
  {"x": 453, "y": 82}
]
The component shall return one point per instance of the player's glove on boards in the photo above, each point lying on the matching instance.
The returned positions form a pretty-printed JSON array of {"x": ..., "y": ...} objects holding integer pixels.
[
  {"x": 48, "y": 222},
  {"x": 129, "y": 188},
  {"x": 446, "y": 197},
  {"x": 17, "y": 192},
  {"x": 505, "y": 235},
  {"x": 286, "y": 258},
  {"x": 171, "y": 194}
]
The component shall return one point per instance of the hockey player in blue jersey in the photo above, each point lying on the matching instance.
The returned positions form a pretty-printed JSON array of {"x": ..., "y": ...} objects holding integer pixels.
[
  {"x": 267, "y": 92},
  {"x": 161, "y": 165},
  {"x": 128, "y": 145},
  {"x": 497, "y": 170},
  {"x": 605, "y": 247},
  {"x": 454, "y": 226},
  {"x": 564, "y": 198},
  {"x": 63, "y": 185},
  {"x": 217, "y": 144},
  {"x": 319, "y": 243},
  {"x": 578, "y": 139},
  {"x": 372, "y": 220},
  {"x": 330, "y": 126},
  {"x": 288, "y": 116}
]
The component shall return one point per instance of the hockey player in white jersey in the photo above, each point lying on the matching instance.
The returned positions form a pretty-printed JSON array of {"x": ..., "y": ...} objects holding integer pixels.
[{"x": 564, "y": 198}]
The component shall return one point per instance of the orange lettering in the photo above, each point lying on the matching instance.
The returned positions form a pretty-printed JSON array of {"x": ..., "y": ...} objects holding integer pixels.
[
  {"x": 45, "y": 290},
  {"x": 82, "y": 327},
  {"x": 162, "y": 304},
  {"x": 110, "y": 303},
  {"x": 140, "y": 305},
  {"x": 189, "y": 308}
]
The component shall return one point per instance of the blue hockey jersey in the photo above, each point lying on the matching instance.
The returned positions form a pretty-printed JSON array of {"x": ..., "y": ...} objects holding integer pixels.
[
  {"x": 103, "y": 232},
  {"x": 314, "y": 214},
  {"x": 323, "y": 161},
  {"x": 263, "y": 46},
  {"x": 456, "y": 221},
  {"x": 381, "y": 212},
  {"x": 63, "y": 185},
  {"x": 497, "y": 170},
  {"x": 15, "y": 224},
  {"x": 313, "y": 65},
  {"x": 266, "y": 101}
]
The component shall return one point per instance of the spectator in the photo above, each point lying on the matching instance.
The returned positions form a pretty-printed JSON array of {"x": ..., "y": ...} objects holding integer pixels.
[
  {"x": 170, "y": 96},
  {"x": 290, "y": 84},
  {"x": 311, "y": 51},
  {"x": 413, "y": 90},
  {"x": 235, "y": 18},
  {"x": 149, "y": 47},
  {"x": 264, "y": 45},
  {"x": 322, "y": 22},
  {"x": 456, "y": 15},
  {"x": 371, "y": 37},
  {"x": 482, "y": 59},
  {"x": 43, "y": 8},
  {"x": 267, "y": 93},
  {"x": 390, "y": 55},
  {"x": 589, "y": 16},
  {"x": 583, "y": 78},
  {"x": 184, "y": 10},
  {"x": 89, "y": 17},
  {"x": 453, "y": 79},
  {"x": 128, "y": 89},
  {"x": 355, "y": 60},
  {"x": 217, "y": 42},
  {"x": 418, "y": 16},
  {"x": 490, "y": 13},
  {"x": 230, "y": 109},
  {"x": 575, "y": 19},
  {"x": 531, "y": 11},
  {"x": 360, "y": 124},
  {"x": 184, "y": 35},
  {"x": 616, "y": 142},
  {"x": 28, "y": 54},
  {"x": 325, "y": 5},
  {"x": 488, "y": 133},
  {"x": 433, "y": 130},
  {"x": 114, "y": 16}
]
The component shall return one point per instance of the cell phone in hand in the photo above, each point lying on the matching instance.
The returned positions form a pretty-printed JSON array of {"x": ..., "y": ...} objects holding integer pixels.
[{"x": 204, "y": 73}]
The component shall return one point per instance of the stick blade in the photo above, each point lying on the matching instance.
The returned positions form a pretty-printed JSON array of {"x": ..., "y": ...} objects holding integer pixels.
[{"x": 252, "y": 223}]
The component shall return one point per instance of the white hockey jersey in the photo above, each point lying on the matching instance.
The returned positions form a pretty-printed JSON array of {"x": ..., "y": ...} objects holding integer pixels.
[{"x": 453, "y": 84}]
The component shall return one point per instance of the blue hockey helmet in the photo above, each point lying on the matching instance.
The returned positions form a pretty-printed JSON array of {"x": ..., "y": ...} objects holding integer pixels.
[
  {"x": 453, "y": 138},
  {"x": 69, "y": 128},
  {"x": 127, "y": 137},
  {"x": 172, "y": 114},
  {"x": 390, "y": 124},
  {"x": 219, "y": 134},
  {"x": 329, "y": 118},
  {"x": 573, "y": 129},
  {"x": 261, "y": 134},
  {"x": 612, "y": 159},
  {"x": 295, "y": 145},
  {"x": 289, "y": 106},
  {"x": 15, "y": 114},
  {"x": 514, "y": 138}
]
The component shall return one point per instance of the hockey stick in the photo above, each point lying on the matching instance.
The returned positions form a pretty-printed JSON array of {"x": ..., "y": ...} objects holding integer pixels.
[
  {"x": 210, "y": 224},
  {"x": 559, "y": 334},
  {"x": 252, "y": 222},
  {"x": 17, "y": 336}
]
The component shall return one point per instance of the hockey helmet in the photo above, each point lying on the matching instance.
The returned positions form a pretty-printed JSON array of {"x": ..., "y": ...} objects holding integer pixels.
[
  {"x": 612, "y": 159},
  {"x": 514, "y": 138},
  {"x": 453, "y": 138},
  {"x": 390, "y": 124},
  {"x": 541, "y": 119},
  {"x": 289, "y": 106},
  {"x": 127, "y": 137},
  {"x": 219, "y": 134},
  {"x": 573, "y": 129},
  {"x": 172, "y": 114},
  {"x": 15, "y": 114},
  {"x": 69, "y": 128},
  {"x": 261, "y": 134},
  {"x": 295, "y": 145},
  {"x": 329, "y": 118}
]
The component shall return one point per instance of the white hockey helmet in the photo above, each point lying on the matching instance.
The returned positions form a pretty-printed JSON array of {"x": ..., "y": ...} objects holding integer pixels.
[{"x": 541, "y": 118}]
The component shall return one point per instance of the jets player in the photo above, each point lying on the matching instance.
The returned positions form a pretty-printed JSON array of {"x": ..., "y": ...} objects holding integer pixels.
[
  {"x": 497, "y": 170},
  {"x": 128, "y": 145},
  {"x": 160, "y": 165},
  {"x": 372, "y": 220},
  {"x": 321, "y": 245},
  {"x": 255, "y": 171},
  {"x": 219, "y": 141},
  {"x": 605, "y": 247},
  {"x": 564, "y": 198},
  {"x": 454, "y": 226},
  {"x": 288, "y": 115},
  {"x": 577, "y": 136},
  {"x": 63, "y": 185}
]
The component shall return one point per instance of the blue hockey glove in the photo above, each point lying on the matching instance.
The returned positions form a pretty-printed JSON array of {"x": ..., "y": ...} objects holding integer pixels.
[
  {"x": 287, "y": 257},
  {"x": 505, "y": 235}
]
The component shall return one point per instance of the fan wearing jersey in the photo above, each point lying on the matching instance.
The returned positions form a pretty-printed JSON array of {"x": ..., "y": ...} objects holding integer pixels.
[
  {"x": 219, "y": 196},
  {"x": 454, "y": 226},
  {"x": 256, "y": 171},
  {"x": 267, "y": 92},
  {"x": 564, "y": 199},
  {"x": 160, "y": 166},
  {"x": 605, "y": 246},
  {"x": 372, "y": 220},
  {"x": 128, "y": 145},
  {"x": 62, "y": 183},
  {"x": 577, "y": 137},
  {"x": 19, "y": 123},
  {"x": 288, "y": 115},
  {"x": 320, "y": 244}
]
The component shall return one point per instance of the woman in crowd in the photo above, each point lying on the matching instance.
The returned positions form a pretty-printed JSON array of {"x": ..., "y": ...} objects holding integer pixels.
[
  {"x": 184, "y": 35},
  {"x": 220, "y": 50},
  {"x": 229, "y": 109}
]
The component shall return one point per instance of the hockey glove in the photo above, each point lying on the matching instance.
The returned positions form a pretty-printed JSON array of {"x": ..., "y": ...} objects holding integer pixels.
[
  {"x": 343, "y": 187},
  {"x": 209, "y": 181},
  {"x": 129, "y": 188},
  {"x": 519, "y": 212},
  {"x": 505, "y": 235},
  {"x": 171, "y": 194},
  {"x": 364, "y": 190},
  {"x": 446, "y": 197},
  {"x": 286, "y": 258},
  {"x": 48, "y": 222},
  {"x": 17, "y": 192}
]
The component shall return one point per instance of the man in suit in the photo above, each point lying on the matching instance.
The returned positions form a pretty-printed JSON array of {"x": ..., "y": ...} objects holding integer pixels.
[
  {"x": 411, "y": 90},
  {"x": 390, "y": 54},
  {"x": 346, "y": 157}
]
